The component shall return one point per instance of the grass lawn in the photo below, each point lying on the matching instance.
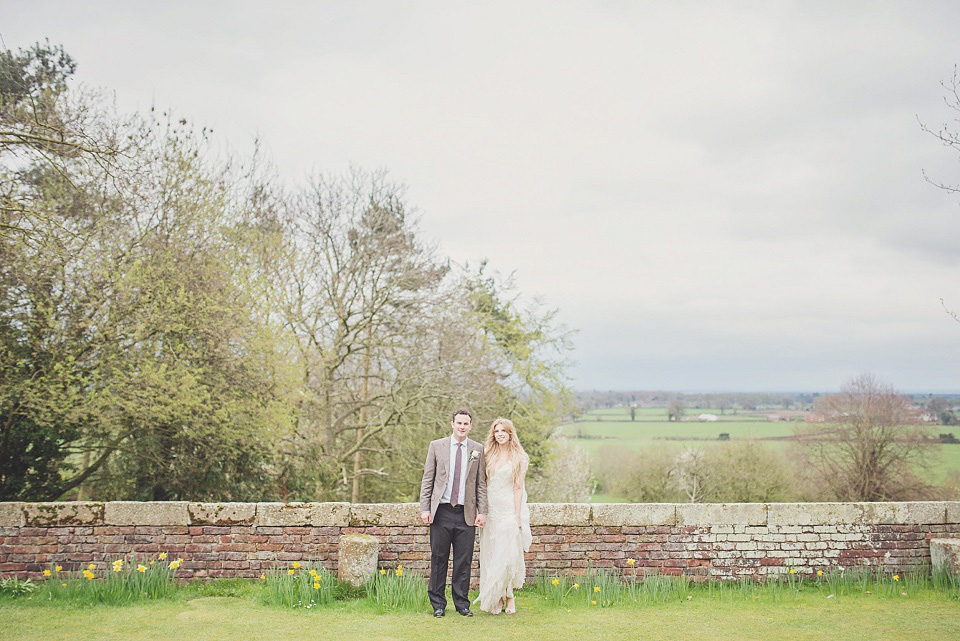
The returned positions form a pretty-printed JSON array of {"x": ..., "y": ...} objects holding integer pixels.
[{"x": 933, "y": 617}]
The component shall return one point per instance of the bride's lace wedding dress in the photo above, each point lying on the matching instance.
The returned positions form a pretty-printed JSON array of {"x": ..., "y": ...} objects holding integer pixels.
[{"x": 502, "y": 544}]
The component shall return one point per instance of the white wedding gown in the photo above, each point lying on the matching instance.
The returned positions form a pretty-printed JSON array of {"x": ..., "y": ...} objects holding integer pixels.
[{"x": 502, "y": 568}]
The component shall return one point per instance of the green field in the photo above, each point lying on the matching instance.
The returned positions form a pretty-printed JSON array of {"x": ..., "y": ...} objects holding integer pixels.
[
  {"x": 607, "y": 429},
  {"x": 807, "y": 617}
]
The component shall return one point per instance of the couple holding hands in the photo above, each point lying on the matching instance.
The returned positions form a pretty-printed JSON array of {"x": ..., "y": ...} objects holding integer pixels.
[{"x": 467, "y": 485}]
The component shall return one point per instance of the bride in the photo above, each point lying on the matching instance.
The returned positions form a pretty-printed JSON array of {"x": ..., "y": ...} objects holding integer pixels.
[{"x": 506, "y": 535}]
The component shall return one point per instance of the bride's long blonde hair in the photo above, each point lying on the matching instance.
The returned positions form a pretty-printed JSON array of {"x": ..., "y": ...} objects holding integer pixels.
[{"x": 510, "y": 453}]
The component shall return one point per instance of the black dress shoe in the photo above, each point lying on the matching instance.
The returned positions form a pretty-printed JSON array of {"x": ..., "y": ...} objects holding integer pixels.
[
  {"x": 438, "y": 612},
  {"x": 465, "y": 612}
]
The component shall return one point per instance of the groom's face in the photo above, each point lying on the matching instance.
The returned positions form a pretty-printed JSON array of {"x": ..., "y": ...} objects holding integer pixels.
[{"x": 461, "y": 425}]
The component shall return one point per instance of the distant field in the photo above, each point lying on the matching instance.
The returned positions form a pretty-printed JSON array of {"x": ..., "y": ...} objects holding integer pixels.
[{"x": 612, "y": 429}]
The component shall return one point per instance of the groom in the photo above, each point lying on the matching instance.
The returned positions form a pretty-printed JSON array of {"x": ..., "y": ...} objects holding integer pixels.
[{"x": 453, "y": 502}]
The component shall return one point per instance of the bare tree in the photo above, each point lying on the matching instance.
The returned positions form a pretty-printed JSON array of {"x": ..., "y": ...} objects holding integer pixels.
[
  {"x": 868, "y": 451},
  {"x": 675, "y": 410}
]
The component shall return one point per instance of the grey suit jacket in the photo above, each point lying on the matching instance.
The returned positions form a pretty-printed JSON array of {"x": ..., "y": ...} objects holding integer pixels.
[{"x": 436, "y": 473}]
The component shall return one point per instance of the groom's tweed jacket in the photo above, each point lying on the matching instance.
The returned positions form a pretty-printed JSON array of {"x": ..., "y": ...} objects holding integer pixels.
[{"x": 436, "y": 473}]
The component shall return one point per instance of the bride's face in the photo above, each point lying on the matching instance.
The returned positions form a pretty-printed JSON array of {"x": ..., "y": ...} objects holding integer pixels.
[{"x": 500, "y": 435}]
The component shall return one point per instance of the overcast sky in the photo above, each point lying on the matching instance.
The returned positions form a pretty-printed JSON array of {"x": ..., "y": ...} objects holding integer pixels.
[{"x": 716, "y": 196}]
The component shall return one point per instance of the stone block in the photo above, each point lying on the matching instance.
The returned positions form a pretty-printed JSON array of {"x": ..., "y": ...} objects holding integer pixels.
[
  {"x": 945, "y": 555},
  {"x": 62, "y": 514},
  {"x": 11, "y": 514},
  {"x": 633, "y": 514},
  {"x": 712, "y": 514},
  {"x": 564, "y": 514},
  {"x": 385, "y": 514},
  {"x": 357, "y": 558},
  {"x": 146, "y": 513},
  {"x": 953, "y": 511},
  {"x": 905, "y": 513},
  {"x": 780, "y": 514},
  {"x": 222, "y": 514},
  {"x": 303, "y": 514}
]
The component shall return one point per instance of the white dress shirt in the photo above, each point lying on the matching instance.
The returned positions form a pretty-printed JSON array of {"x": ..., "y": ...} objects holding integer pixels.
[{"x": 464, "y": 462}]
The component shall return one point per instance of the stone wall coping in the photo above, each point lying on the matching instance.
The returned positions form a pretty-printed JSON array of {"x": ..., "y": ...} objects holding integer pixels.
[{"x": 183, "y": 513}]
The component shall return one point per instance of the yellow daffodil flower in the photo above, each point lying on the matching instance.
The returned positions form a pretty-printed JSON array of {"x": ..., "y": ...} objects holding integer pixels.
[
  {"x": 819, "y": 572},
  {"x": 296, "y": 565},
  {"x": 593, "y": 603},
  {"x": 92, "y": 566},
  {"x": 596, "y": 588},
  {"x": 163, "y": 556},
  {"x": 290, "y": 572},
  {"x": 896, "y": 577},
  {"x": 263, "y": 577},
  {"x": 316, "y": 586},
  {"x": 576, "y": 586},
  {"x": 63, "y": 585},
  {"x": 141, "y": 568},
  {"x": 631, "y": 561},
  {"x": 382, "y": 571},
  {"x": 399, "y": 571},
  {"x": 555, "y": 582},
  {"x": 152, "y": 562},
  {"x": 47, "y": 573},
  {"x": 58, "y": 568},
  {"x": 174, "y": 564},
  {"x": 88, "y": 574},
  {"x": 792, "y": 571}
]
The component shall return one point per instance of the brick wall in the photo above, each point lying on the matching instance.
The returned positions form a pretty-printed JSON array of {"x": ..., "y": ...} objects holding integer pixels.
[{"x": 699, "y": 540}]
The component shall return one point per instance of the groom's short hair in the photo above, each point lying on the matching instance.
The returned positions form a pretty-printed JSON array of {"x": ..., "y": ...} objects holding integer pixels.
[{"x": 462, "y": 410}]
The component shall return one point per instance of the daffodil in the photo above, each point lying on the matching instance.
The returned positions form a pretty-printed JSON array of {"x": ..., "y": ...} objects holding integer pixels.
[
  {"x": 896, "y": 577},
  {"x": 58, "y": 568},
  {"x": 555, "y": 582},
  {"x": 141, "y": 568},
  {"x": 399, "y": 571},
  {"x": 88, "y": 574},
  {"x": 631, "y": 561},
  {"x": 313, "y": 573},
  {"x": 92, "y": 566},
  {"x": 593, "y": 603},
  {"x": 596, "y": 588},
  {"x": 576, "y": 586},
  {"x": 163, "y": 556},
  {"x": 819, "y": 572},
  {"x": 382, "y": 571},
  {"x": 792, "y": 571},
  {"x": 296, "y": 565},
  {"x": 152, "y": 562},
  {"x": 290, "y": 572},
  {"x": 263, "y": 577},
  {"x": 316, "y": 586},
  {"x": 63, "y": 585},
  {"x": 47, "y": 573},
  {"x": 174, "y": 564}
]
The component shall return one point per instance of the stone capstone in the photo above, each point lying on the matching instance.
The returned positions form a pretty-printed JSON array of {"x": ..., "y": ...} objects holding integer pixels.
[
  {"x": 357, "y": 558},
  {"x": 157, "y": 513},
  {"x": 62, "y": 514},
  {"x": 385, "y": 514},
  {"x": 222, "y": 514}
]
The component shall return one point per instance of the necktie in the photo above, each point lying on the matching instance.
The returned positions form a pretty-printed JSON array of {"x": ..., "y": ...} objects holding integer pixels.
[{"x": 455, "y": 495}]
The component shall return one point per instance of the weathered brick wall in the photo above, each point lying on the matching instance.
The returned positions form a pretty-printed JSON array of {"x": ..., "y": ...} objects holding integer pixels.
[{"x": 702, "y": 540}]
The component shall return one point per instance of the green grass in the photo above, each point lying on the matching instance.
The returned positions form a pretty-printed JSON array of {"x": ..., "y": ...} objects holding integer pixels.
[
  {"x": 706, "y": 616},
  {"x": 652, "y": 428}
]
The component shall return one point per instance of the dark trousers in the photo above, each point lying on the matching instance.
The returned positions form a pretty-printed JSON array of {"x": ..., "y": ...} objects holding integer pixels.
[{"x": 448, "y": 528}]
